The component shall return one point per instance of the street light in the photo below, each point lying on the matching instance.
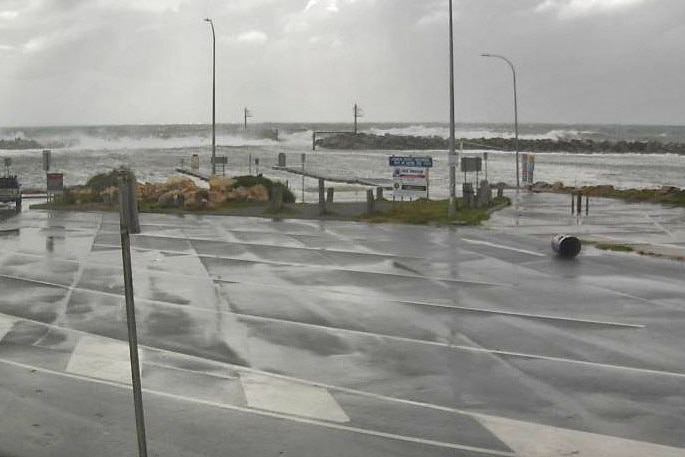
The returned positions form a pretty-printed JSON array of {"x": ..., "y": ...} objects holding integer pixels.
[
  {"x": 516, "y": 116},
  {"x": 451, "y": 158},
  {"x": 213, "y": 97}
]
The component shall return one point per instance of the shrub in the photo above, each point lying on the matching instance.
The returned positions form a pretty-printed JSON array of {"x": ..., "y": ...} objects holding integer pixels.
[{"x": 249, "y": 181}]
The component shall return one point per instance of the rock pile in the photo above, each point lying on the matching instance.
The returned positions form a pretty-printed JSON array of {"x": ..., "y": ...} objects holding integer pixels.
[
  {"x": 176, "y": 192},
  {"x": 409, "y": 142}
]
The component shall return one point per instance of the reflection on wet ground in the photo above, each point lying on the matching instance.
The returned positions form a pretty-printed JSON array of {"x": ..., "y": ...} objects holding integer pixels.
[{"x": 428, "y": 336}]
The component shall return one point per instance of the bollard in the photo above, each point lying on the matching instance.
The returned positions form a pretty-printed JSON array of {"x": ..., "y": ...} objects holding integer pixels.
[
  {"x": 587, "y": 205},
  {"x": 579, "y": 203},
  {"x": 277, "y": 198},
  {"x": 467, "y": 190},
  {"x": 573, "y": 203},
  {"x": 370, "y": 202},
  {"x": 379, "y": 193},
  {"x": 281, "y": 159},
  {"x": 329, "y": 195},
  {"x": 566, "y": 246},
  {"x": 322, "y": 197}
]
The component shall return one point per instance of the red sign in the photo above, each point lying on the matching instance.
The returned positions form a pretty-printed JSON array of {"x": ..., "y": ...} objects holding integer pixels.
[{"x": 55, "y": 182}]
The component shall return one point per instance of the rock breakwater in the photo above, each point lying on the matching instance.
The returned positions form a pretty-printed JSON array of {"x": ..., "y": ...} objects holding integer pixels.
[{"x": 408, "y": 142}]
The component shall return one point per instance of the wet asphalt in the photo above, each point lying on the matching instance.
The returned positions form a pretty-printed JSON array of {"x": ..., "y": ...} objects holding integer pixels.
[{"x": 411, "y": 332}]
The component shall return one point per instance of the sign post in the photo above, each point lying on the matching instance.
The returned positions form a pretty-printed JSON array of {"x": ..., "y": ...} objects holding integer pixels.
[
  {"x": 54, "y": 184},
  {"x": 128, "y": 221},
  {"x": 47, "y": 156},
  {"x": 303, "y": 156}
]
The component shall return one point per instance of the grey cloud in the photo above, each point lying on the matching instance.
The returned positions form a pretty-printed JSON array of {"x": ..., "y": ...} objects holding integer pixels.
[{"x": 150, "y": 62}]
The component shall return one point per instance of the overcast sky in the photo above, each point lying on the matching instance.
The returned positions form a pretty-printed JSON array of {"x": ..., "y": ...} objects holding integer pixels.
[{"x": 149, "y": 61}]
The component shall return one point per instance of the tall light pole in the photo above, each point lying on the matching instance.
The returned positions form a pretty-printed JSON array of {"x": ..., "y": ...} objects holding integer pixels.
[
  {"x": 516, "y": 115},
  {"x": 213, "y": 97},
  {"x": 451, "y": 158}
]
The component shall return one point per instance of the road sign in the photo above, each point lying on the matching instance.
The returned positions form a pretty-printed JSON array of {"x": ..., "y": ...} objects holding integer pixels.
[
  {"x": 409, "y": 161},
  {"x": 220, "y": 160},
  {"x": 471, "y": 164},
  {"x": 55, "y": 182}
]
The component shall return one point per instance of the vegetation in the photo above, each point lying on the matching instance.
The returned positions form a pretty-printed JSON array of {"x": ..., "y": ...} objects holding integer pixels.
[
  {"x": 666, "y": 195},
  {"x": 250, "y": 196},
  {"x": 614, "y": 247},
  {"x": 251, "y": 181},
  {"x": 434, "y": 212}
]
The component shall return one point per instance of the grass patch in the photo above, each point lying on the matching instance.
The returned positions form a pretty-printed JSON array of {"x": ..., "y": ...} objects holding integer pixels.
[
  {"x": 614, "y": 247},
  {"x": 433, "y": 212}
]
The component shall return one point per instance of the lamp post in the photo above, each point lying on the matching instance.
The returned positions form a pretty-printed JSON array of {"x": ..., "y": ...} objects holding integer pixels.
[
  {"x": 516, "y": 116},
  {"x": 213, "y": 97},
  {"x": 451, "y": 158}
]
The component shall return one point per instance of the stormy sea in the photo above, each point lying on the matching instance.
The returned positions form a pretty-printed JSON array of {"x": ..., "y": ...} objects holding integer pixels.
[{"x": 154, "y": 151}]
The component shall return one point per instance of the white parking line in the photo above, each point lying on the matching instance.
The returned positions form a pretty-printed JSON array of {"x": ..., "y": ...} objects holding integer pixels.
[
  {"x": 281, "y": 396},
  {"x": 6, "y": 324},
  {"x": 276, "y": 415},
  {"x": 535, "y": 440},
  {"x": 101, "y": 358},
  {"x": 501, "y": 246}
]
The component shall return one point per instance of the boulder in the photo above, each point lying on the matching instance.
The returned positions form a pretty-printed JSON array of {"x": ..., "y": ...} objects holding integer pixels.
[
  {"x": 665, "y": 190},
  {"x": 258, "y": 193},
  {"x": 217, "y": 198},
  {"x": 241, "y": 193},
  {"x": 195, "y": 199},
  {"x": 220, "y": 184},
  {"x": 171, "y": 199}
]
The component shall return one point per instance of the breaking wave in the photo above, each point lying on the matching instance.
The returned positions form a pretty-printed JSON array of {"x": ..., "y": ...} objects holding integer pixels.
[{"x": 475, "y": 133}]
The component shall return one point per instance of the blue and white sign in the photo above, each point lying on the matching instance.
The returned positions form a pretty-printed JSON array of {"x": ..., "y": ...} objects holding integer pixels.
[
  {"x": 410, "y": 182},
  {"x": 408, "y": 161}
]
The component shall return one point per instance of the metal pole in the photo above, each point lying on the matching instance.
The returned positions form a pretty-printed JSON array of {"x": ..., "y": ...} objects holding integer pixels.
[
  {"x": 516, "y": 116},
  {"x": 213, "y": 96},
  {"x": 451, "y": 211},
  {"x": 516, "y": 124},
  {"x": 126, "y": 221},
  {"x": 303, "y": 156},
  {"x": 355, "y": 118}
]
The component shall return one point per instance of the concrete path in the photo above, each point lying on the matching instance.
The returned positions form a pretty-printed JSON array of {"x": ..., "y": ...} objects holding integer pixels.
[
  {"x": 289, "y": 337},
  {"x": 654, "y": 229}
]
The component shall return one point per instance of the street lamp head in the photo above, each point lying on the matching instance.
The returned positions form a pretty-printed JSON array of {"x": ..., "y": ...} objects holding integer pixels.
[
  {"x": 486, "y": 55},
  {"x": 207, "y": 19}
]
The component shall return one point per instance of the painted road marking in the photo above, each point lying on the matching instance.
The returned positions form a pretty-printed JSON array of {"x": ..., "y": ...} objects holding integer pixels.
[
  {"x": 6, "y": 324},
  {"x": 396, "y": 300},
  {"x": 101, "y": 358},
  {"x": 535, "y": 440},
  {"x": 281, "y": 396},
  {"x": 259, "y": 412},
  {"x": 471, "y": 348},
  {"x": 524, "y": 315},
  {"x": 317, "y": 266},
  {"x": 501, "y": 246},
  {"x": 509, "y": 431}
]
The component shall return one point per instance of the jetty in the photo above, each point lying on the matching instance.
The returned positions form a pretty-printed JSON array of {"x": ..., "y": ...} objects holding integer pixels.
[
  {"x": 193, "y": 173},
  {"x": 372, "y": 182},
  {"x": 385, "y": 183}
]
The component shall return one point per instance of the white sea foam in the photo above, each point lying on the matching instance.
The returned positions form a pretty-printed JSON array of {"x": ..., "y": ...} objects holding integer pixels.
[
  {"x": 475, "y": 133},
  {"x": 80, "y": 141}
]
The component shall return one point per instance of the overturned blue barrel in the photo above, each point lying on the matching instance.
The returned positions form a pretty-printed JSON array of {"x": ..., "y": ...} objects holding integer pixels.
[{"x": 566, "y": 246}]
